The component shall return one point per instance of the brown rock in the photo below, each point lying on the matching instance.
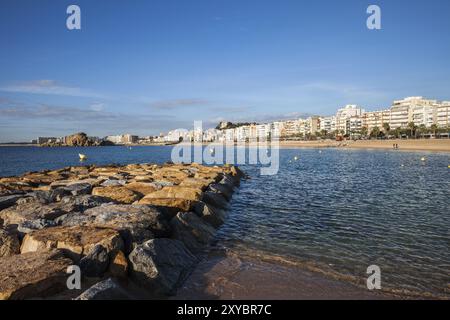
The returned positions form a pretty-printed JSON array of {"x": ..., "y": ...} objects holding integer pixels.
[
  {"x": 141, "y": 187},
  {"x": 9, "y": 244},
  {"x": 33, "y": 274},
  {"x": 119, "y": 265},
  {"x": 170, "y": 206},
  {"x": 117, "y": 193},
  {"x": 201, "y": 184},
  {"x": 75, "y": 241},
  {"x": 177, "y": 192}
]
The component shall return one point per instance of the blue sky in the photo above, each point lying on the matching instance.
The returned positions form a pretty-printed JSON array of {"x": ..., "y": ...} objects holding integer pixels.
[{"x": 145, "y": 67}]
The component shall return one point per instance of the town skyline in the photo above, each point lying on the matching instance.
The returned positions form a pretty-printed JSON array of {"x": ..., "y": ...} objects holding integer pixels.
[{"x": 353, "y": 121}]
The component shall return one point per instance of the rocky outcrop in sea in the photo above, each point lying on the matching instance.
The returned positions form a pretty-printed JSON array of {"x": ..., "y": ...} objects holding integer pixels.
[{"x": 134, "y": 231}]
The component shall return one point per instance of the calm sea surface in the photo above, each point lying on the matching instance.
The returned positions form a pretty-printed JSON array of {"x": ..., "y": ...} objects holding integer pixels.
[{"x": 343, "y": 209}]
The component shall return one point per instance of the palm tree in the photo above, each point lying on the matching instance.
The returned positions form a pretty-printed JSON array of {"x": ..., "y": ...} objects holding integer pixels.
[
  {"x": 422, "y": 129},
  {"x": 412, "y": 127},
  {"x": 364, "y": 131},
  {"x": 386, "y": 127},
  {"x": 375, "y": 132},
  {"x": 434, "y": 128}
]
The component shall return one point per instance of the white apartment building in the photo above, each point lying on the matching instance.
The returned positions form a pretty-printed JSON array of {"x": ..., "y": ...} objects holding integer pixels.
[
  {"x": 278, "y": 129},
  {"x": 175, "y": 135},
  {"x": 374, "y": 119},
  {"x": 263, "y": 131},
  {"x": 327, "y": 123},
  {"x": 230, "y": 135},
  {"x": 443, "y": 115},
  {"x": 354, "y": 125},
  {"x": 291, "y": 127},
  {"x": 412, "y": 109},
  {"x": 344, "y": 114}
]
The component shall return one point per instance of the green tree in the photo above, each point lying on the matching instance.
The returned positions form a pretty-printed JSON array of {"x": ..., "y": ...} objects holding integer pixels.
[
  {"x": 386, "y": 127},
  {"x": 364, "y": 131},
  {"x": 412, "y": 127},
  {"x": 434, "y": 128},
  {"x": 375, "y": 132}
]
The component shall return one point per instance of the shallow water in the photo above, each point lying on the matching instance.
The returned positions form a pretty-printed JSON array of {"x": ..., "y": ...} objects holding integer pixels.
[{"x": 342, "y": 209}]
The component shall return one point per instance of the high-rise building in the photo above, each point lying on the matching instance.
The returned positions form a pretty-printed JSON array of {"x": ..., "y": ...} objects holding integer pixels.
[
  {"x": 344, "y": 114},
  {"x": 374, "y": 119},
  {"x": 443, "y": 115}
]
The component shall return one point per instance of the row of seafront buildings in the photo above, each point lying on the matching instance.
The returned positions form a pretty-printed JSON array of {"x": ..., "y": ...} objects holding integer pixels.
[
  {"x": 351, "y": 120},
  {"x": 116, "y": 139}
]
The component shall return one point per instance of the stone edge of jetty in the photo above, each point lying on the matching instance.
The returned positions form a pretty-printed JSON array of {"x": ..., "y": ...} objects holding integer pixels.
[{"x": 134, "y": 231}]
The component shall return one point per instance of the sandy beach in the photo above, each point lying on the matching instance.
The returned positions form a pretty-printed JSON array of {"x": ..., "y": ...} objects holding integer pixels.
[{"x": 403, "y": 144}]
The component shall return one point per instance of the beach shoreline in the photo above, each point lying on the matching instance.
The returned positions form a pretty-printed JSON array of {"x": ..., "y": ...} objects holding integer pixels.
[{"x": 440, "y": 145}]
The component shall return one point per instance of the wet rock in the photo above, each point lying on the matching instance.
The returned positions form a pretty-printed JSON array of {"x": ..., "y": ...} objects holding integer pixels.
[
  {"x": 33, "y": 275},
  {"x": 222, "y": 189},
  {"x": 75, "y": 242},
  {"x": 136, "y": 223},
  {"x": 142, "y": 187},
  {"x": 95, "y": 263},
  {"x": 194, "y": 232},
  {"x": 161, "y": 265},
  {"x": 8, "y": 201},
  {"x": 36, "y": 224},
  {"x": 215, "y": 199},
  {"x": 119, "y": 194},
  {"x": 212, "y": 215},
  {"x": 9, "y": 244},
  {"x": 105, "y": 290}
]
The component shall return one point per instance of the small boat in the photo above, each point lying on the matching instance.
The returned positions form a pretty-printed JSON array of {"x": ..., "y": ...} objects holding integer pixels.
[
  {"x": 295, "y": 158},
  {"x": 82, "y": 156},
  {"x": 423, "y": 159}
]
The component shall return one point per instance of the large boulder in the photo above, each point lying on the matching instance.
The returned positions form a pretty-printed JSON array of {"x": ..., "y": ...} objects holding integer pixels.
[
  {"x": 8, "y": 201},
  {"x": 76, "y": 242},
  {"x": 161, "y": 265},
  {"x": 31, "y": 210},
  {"x": 212, "y": 215},
  {"x": 142, "y": 188},
  {"x": 36, "y": 224},
  {"x": 169, "y": 206},
  {"x": 95, "y": 263},
  {"x": 215, "y": 199},
  {"x": 177, "y": 192},
  {"x": 33, "y": 275},
  {"x": 83, "y": 202},
  {"x": 9, "y": 244},
  {"x": 135, "y": 223},
  {"x": 194, "y": 232},
  {"x": 201, "y": 184},
  {"x": 117, "y": 193},
  {"x": 104, "y": 290},
  {"x": 222, "y": 189}
]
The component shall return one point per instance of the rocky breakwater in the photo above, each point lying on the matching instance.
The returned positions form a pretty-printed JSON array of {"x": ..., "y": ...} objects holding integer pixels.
[{"x": 134, "y": 231}]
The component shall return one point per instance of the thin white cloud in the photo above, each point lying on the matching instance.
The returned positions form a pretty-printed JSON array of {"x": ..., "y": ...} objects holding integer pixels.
[{"x": 50, "y": 87}]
